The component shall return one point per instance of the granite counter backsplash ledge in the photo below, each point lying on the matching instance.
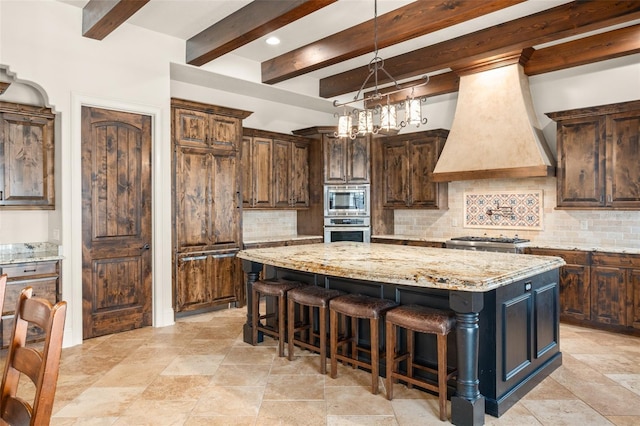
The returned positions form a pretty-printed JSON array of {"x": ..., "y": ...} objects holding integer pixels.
[{"x": 29, "y": 252}]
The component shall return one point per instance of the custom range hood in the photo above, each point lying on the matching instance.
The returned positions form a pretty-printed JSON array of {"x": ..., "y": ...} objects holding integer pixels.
[{"x": 495, "y": 131}]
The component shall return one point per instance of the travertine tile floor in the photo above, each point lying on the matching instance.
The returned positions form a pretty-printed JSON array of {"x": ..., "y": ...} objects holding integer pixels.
[{"x": 199, "y": 372}]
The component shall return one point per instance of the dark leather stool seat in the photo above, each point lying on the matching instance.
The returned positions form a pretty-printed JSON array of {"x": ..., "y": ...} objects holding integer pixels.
[
  {"x": 419, "y": 319},
  {"x": 352, "y": 307},
  {"x": 277, "y": 288},
  {"x": 308, "y": 298}
]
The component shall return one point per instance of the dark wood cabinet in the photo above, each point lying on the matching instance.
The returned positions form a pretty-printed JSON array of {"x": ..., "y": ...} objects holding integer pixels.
[
  {"x": 346, "y": 160},
  {"x": 575, "y": 292},
  {"x": 598, "y": 156},
  {"x": 207, "y": 220},
  {"x": 275, "y": 170},
  {"x": 614, "y": 295},
  {"x": 257, "y": 173},
  {"x": 408, "y": 163},
  {"x": 599, "y": 289},
  {"x": 43, "y": 277},
  {"x": 26, "y": 157}
]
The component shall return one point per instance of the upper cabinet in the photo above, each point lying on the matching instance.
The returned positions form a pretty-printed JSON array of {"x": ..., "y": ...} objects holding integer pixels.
[
  {"x": 598, "y": 157},
  {"x": 275, "y": 170},
  {"x": 346, "y": 160},
  {"x": 408, "y": 163},
  {"x": 26, "y": 157},
  {"x": 205, "y": 128}
]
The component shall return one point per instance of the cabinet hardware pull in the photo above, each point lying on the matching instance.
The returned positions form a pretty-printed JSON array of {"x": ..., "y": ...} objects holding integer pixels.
[
  {"x": 30, "y": 270},
  {"x": 145, "y": 247},
  {"x": 1, "y": 193},
  {"x": 186, "y": 259}
]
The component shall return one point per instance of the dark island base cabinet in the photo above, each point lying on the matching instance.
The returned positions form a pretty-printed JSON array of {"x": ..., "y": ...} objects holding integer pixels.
[{"x": 515, "y": 328}]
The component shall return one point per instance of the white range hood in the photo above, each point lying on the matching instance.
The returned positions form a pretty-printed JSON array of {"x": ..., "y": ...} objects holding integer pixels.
[{"x": 495, "y": 131}]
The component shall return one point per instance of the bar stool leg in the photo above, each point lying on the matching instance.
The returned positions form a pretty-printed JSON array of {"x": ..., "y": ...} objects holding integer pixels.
[
  {"x": 290, "y": 327},
  {"x": 354, "y": 340},
  {"x": 410, "y": 343},
  {"x": 391, "y": 358},
  {"x": 375, "y": 355},
  {"x": 333, "y": 337},
  {"x": 281, "y": 324},
  {"x": 322, "y": 313},
  {"x": 256, "y": 316},
  {"x": 442, "y": 375}
]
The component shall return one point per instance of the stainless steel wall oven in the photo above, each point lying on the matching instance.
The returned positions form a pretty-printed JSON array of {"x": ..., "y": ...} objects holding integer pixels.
[{"x": 347, "y": 214}]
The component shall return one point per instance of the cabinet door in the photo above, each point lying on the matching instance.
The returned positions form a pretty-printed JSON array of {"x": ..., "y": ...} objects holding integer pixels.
[
  {"x": 282, "y": 173},
  {"x": 225, "y": 276},
  {"x": 26, "y": 161},
  {"x": 423, "y": 155},
  {"x": 623, "y": 158},
  {"x": 575, "y": 296},
  {"x": 262, "y": 173},
  {"x": 608, "y": 295},
  {"x": 633, "y": 296},
  {"x": 193, "y": 198},
  {"x": 224, "y": 199},
  {"x": 224, "y": 132},
  {"x": 193, "y": 282},
  {"x": 300, "y": 175},
  {"x": 191, "y": 127},
  {"x": 247, "y": 172},
  {"x": 581, "y": 162},
  {"x": 396, "y": 171},
  {"x": 335, "y": 160},
  {"x": 358, "y": 160}
]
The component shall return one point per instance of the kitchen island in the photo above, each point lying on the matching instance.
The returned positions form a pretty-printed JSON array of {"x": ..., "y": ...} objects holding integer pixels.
[{"x": 507, "y": 333}]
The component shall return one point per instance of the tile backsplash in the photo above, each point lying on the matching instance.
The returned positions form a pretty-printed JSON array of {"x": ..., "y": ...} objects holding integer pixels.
[
  {"x": 268, "y": 223},
  {"x": 606, "y": 228},
  {"x": 603, "y": 228},
  {"x": 503, "y": 209}
]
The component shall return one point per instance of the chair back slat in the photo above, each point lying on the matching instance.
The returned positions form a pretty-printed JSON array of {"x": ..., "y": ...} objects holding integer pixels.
[{"x": 40, "y": 366}]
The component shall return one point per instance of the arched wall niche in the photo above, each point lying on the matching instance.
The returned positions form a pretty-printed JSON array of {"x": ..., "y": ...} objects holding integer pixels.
[{"x": 22, "y": 91}]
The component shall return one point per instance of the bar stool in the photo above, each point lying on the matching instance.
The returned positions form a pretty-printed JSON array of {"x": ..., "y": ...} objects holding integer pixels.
[
  {"x": 352, "y": 307},
  {"x": 308, "y": 298},
  {"x": 420, "y": 319},
  {"x": 277, "y": 288}
]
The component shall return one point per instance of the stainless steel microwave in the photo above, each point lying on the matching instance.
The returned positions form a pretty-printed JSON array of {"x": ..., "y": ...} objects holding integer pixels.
[{"x": 346, "y": 200}]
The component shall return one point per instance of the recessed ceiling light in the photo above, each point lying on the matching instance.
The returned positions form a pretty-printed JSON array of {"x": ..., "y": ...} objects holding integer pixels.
[{"x": 273, "y": 40}]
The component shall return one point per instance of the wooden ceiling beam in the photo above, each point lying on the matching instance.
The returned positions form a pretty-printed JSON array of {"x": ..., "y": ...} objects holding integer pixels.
[
  {"x": 101, "y": 17},
  {"x": 414, "y": 20},
  {"x": 554, "y": 24},
  {"x": 247, "y": 24},
  {"x": 599, "y": 47},
  {"x": 595, "y": 48}
]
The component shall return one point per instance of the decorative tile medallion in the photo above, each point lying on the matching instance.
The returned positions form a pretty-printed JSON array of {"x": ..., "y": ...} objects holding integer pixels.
[{"x": 503, "y": 209}]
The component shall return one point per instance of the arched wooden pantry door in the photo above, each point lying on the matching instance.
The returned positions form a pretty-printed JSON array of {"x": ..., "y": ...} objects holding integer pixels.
[{"x": 116, "y": 221}]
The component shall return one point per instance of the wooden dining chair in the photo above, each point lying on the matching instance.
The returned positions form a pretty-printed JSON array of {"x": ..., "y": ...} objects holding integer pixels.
[{"x": 41, "y": 366}]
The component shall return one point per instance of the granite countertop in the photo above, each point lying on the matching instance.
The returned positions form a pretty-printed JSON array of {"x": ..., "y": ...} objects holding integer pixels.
[
  {"x": 278, "y": 238},
  {"x": 407, "y": 265},
  {"x": 28, "y": 252},
  {"x": 532, "y": 244}
]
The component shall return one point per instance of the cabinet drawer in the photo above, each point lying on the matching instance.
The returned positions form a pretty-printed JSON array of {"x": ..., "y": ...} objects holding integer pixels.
[
  {"x": 616, "y": 259},
  {"x": 44, "y": 288},
  {"x": 27, "y": 269},
  {"x": 574, "y": 257},
  {"x": 34, "y": 333}
]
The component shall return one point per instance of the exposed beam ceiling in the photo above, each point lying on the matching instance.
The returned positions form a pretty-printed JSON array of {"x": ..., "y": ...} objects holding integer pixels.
[
  {"x": 543, "y": 27},
  {"x": 101, "y": 17},
  {"x": 416, "y": 19},
  {"x": 599, "y": 47},
  {"x": 253, "y": 21}
]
